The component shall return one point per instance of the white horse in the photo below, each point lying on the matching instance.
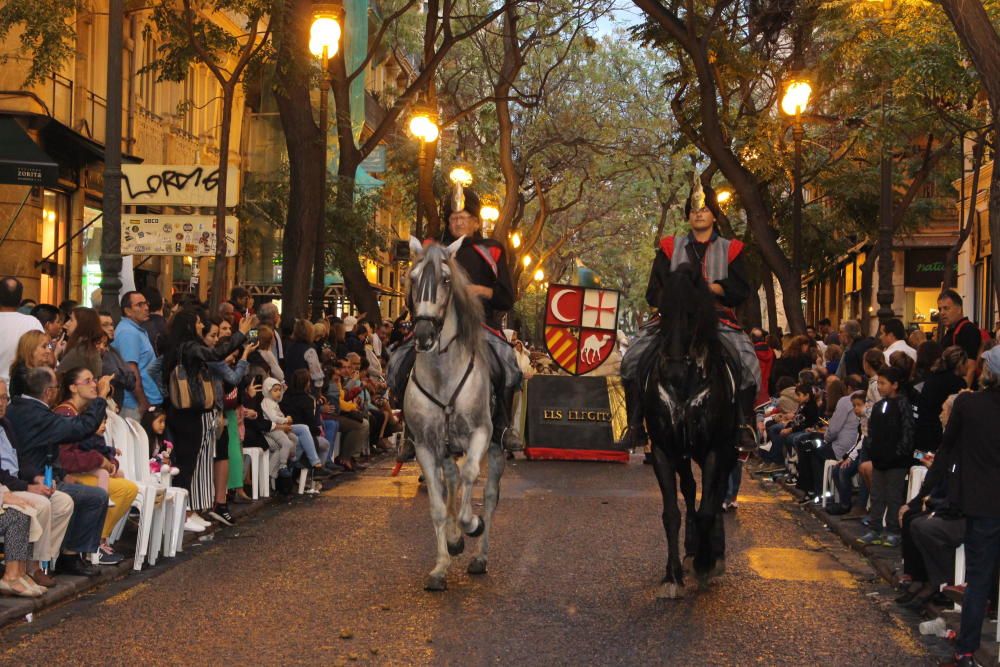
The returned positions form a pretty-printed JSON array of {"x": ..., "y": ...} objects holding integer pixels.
[{"x": 447, "y": 403}]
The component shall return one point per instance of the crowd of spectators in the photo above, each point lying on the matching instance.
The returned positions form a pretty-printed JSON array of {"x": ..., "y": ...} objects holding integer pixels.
[
  {"x": 880, "y": 408},
  {"x": 203, "y": 385}
]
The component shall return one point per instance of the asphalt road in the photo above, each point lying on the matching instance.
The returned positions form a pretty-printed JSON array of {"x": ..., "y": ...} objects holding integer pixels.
[{"x": 578, "y": 551}]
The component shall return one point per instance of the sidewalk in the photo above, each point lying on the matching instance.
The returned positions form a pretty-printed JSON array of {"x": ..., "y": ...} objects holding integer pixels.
[
  {"x": 887, "y": 561},
  {"x": 15, "y": 609}
]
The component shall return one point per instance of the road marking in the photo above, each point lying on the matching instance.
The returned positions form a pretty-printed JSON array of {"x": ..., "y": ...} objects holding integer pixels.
[
  {"x": 797, "y": 565},
  {"x": 402, "y": 487},
  {"x": 127, "y": 594}
]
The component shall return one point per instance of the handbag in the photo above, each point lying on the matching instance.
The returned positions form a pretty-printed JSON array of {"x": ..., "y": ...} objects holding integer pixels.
[{"x": 188, "y": 393}]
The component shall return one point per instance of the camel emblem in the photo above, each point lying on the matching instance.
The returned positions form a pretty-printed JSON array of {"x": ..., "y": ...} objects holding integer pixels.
[{"x": 590, "y": 352}]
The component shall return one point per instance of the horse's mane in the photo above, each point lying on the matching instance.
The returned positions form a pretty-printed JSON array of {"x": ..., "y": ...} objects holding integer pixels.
[
  {"x": 685, "y": 290},
  {"x": 469, "y": 309}
]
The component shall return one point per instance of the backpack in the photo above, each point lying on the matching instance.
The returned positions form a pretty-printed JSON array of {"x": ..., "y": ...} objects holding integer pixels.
[
  {"x": 984, "y": 335},
  {"x": 188, "y": 393}
]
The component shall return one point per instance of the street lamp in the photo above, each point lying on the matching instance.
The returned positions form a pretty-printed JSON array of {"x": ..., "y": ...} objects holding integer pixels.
[
  {"x": 515, "y": 240},
  {"x": 793, "y": 103},
  {"x": 489, "y": 214},
  {"x": 723, "y": 197},
  {"x": 324, "y": 40},
  {"x": 460, "y": 176},
  {"x": 886, "y": 293},
  {"x": 526, "y": 260},
  {"x": 424, "y": 128},
  {"x": 539, "y": 275}
]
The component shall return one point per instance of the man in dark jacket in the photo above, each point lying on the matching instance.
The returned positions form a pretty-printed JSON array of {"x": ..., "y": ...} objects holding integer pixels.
[
  {"x": 36, "y": 433},
  {"x": 960, "y": 330},
  {"x": 972, "y": 443},
  {"x": 855, "y": 345}
]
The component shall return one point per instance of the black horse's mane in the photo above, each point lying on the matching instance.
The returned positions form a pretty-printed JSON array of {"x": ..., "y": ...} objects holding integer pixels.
[{"x": 686, "y": 296}]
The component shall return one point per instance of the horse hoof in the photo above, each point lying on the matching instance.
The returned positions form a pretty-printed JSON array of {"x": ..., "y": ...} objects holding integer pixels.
[
  {"x": 670, "y": 591},
  {"x": 479, "y": 529},
  {"x": 435, "y": 584},
  {"x": 477, "y": 566},
  {"x": 456, "y": 548}
]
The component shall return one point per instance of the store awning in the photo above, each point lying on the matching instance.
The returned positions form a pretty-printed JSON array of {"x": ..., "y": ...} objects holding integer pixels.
[
  {"x": 22, "y": 161},
  {"x": 76, "y": 148}
]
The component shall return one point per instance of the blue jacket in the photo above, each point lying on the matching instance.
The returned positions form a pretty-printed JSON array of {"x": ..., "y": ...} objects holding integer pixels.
[{"x": 38, "y": 431}]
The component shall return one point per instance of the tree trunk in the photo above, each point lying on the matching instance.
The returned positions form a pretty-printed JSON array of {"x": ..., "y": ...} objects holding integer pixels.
[
  {"x": 771, "y": 302},
  {"x": 867, "y": 278},
  {"x": 951, "y": 257},
  {"x": 358, "y": 288},
  {"x": 218, "y": 294},
  {"x": 305, "y": 162}
]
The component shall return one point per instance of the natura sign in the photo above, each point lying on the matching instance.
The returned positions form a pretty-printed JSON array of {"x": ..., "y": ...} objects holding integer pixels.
[{"x": 176, "y": 185}]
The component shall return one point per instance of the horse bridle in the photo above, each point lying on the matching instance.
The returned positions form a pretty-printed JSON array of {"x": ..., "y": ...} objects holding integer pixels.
[{"x": 437, "y": 323}]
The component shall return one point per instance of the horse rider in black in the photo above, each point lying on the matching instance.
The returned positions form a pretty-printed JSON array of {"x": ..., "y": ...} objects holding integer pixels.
[
  {"x": 724, "y": 269},
  {"x": 485, "y": 262}
]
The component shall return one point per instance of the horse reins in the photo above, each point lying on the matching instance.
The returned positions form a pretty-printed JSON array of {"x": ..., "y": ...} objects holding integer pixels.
[{"x": 449, "y": 408}]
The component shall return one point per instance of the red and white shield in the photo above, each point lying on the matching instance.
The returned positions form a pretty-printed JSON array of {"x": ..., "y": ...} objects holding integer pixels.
[{"x": 580, "y": 326}]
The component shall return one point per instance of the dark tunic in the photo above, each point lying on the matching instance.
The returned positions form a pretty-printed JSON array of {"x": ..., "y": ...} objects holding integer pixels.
[
  {"x": 480, "y": 272},
  {"x": 736, "y": 285},
  {"x": 965, "y": 334}
]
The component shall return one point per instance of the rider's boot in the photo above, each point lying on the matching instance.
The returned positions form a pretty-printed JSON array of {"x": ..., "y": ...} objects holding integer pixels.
[
  {"x": 510, "y": 438},
  {"x": 747, "y": 420},
  {"x": 635, "y": 436}
]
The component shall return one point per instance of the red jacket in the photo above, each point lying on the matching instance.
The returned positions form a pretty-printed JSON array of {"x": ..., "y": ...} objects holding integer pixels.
[
  {"x": 765, "y": 355},
  {"x": 72, "y": 459}
]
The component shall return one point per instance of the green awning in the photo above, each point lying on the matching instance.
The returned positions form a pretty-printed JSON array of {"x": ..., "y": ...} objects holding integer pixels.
[{"x": 22, "y": 162}]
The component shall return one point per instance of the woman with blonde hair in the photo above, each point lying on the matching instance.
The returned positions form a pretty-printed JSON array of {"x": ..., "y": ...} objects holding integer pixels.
[
  {"x": 34, "y": 349},
  {"x": 300, "y": 353}
]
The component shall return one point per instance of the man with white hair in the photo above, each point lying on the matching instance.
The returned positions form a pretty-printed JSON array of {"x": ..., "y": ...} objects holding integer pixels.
[{"x": 268, "y": 315}]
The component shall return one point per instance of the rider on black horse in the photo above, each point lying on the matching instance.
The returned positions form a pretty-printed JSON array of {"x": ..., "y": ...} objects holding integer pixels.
[
  {"x": 484, "y": 260},
  {"x": 722, "y": 265}
]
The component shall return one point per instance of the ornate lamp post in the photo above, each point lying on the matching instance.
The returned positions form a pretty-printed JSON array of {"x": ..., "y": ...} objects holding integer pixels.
[
  {"x": 794, "y": 102},
  {"x": 423, "y": 127},
  {"x": 324, "y": 39},
  {"x": 111, "y": 235}
]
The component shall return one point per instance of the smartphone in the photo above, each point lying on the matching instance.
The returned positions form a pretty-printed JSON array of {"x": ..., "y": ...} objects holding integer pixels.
[
  {"x": 919, "y": 455},
  {"x": 252, "y": 335}
]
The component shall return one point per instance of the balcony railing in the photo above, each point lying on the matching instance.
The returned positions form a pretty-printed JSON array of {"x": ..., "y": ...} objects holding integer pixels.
[
  {"x": 95, "y": 113},
  {"x": 59, "y": 96}
]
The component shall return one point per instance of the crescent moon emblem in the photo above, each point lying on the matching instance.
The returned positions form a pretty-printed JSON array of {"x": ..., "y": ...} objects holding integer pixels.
[{"x": 555, "y": 305}]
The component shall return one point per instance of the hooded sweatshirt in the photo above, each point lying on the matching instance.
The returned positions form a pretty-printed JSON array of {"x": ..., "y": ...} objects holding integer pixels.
[{"x": 270, "y": 406}]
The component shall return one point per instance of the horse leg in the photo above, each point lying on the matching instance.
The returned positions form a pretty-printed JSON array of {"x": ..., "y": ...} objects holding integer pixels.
[
  {"x": 456, "y": 544},
  {"x": 491, "y": 496},
  {"x": 689, "y": 490},
  {"x": 439, "y": 516},
  {"x": 713, "y": 480},
  {"x": 471, "y": 524},
  {"x": 672, "y": 585}
]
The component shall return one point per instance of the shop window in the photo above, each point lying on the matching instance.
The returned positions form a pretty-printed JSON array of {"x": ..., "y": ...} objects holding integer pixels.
[
  {"x": 52, "y": 234},
  {"x": 90, "y": 272}
]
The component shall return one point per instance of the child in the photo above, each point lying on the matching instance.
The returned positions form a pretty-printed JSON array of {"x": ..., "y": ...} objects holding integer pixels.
[
  {"x": 843, "y": 474},
  {"x": 890, "y": 433},
  {"x": 154, "y": 423},
  {"x": 785, "y": 435},
  {"x": 109, "y": 465},
  {"x": 280, "y": 438}
]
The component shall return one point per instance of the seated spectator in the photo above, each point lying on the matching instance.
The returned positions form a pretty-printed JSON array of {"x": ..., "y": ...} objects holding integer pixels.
[
  {"x": 36, "y": 433},
  {"x": 785, "y": 435},
  {"x": 831, "y": 358},
  {"x": 787, "y": 405},
  {"x": 34, "y": 350},
  {"x": 843, "y": 475},
  {"x": 890, "y": 430},
  {"x": 970, "y": 445},
  {"x": 78, "y": 389},
  {"x": 15, "y": 526},
  {"x": 300, "y": 407},
  {"x": 838, "y": 438},
  {"x": 794, "y": 358},
  {"x": 261, "y": 432},
  {"x": 353, "y": 423},
  {"x": 52, "y": 508},
  {"x": 835, "y": 390}
]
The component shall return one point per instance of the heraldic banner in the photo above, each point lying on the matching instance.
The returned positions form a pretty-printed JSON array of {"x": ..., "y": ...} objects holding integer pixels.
[{"x": 580, "y": 326}]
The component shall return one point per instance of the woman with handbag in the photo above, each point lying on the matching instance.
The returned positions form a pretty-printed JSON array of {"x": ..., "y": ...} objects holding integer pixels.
[{"x": 192, "y": 413}]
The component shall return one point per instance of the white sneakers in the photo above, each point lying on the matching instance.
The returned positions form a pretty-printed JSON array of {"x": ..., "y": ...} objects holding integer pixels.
[{"x": 196, "y": 524}]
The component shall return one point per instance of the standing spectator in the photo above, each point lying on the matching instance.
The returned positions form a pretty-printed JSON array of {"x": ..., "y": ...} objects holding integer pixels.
[
  {"x": 113, "y": 364},
  {"x": 972, "y": 442},
  {"x": 268, "y": 315},
  {"x": 34, "y": 350},
  {"x": 351, "y": 334},
  {"x": 960, "y": 329},
  {"x": 766, "y": 358},
  {"x": 78, "y": 389},
  {"x": 82, "y": 349},
  {"x": 12, "y": 323},
  {"x": 194, "y": 428},
  {"x": 855, "y": 344},
  {"x": 300, "y": 353},
  {"x": 263, "y": 360},
  {"x": 338, "y": 338},
  {"x": 946, "y": 377},
  {"x": 51, "y": 319},
  {"x": 928, "y": 354},
  {"x": 36, "y": 433},
  {"x": 156, "y": 325},
  {"x": 239, "y": 298},
  {"x": 893, "y": 338},
  {"x": 134, "y": 346},
  {"x": 53, "y": 508},
  {"x": 890, "y": 430}
]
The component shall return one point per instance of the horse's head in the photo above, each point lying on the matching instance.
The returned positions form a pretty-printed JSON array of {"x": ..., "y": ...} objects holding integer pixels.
[
  {"x": 687, "y": 313},
  {"x": 438, "y": 286}
]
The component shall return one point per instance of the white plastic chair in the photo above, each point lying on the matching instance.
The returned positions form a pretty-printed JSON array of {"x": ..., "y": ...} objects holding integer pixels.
[
  {"x": 829, "y": 488},
  {"x": 260, "y": 470},
  {"x": 916, "y": 477},
  {"x": 119, "y": 434}
]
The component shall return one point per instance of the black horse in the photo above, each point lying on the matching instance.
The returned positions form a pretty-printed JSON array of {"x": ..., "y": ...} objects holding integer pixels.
[{"x": 690, "y": 407}]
